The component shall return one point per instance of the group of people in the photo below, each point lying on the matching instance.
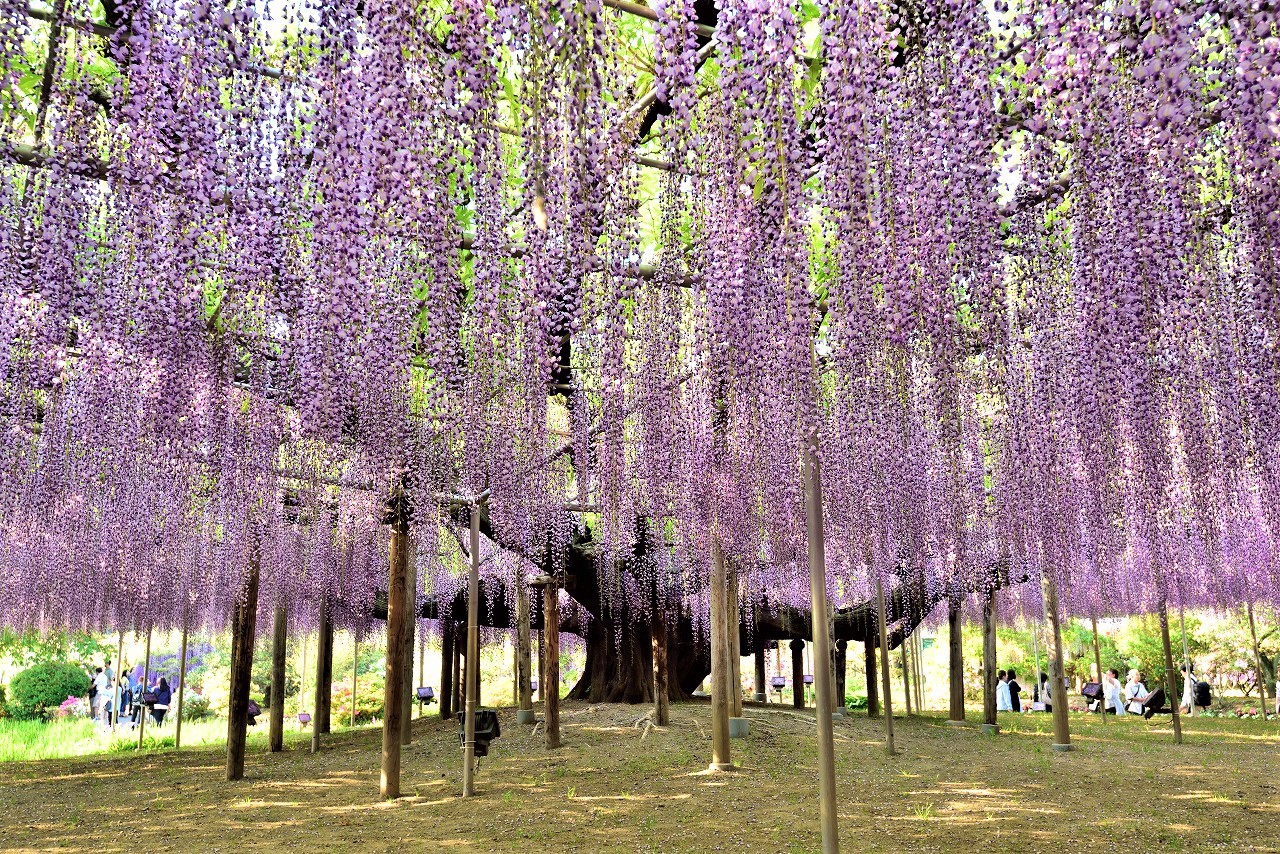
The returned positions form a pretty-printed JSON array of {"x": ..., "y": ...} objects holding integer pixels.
[
  {"x": 1009, "y": 693},
  {"x": 1132, "y": 697},
  {"x": 107, "y": 694}
]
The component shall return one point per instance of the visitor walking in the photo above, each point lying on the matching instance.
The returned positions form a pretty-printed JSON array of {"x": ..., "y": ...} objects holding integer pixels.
[
  {"x": 1003, "y": 701},
  {"x": 1015, "y": 691},
  {"x": 1044, "y": 692}
]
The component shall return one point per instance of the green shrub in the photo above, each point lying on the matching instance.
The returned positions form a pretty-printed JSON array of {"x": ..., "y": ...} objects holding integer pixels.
[
  {"x": 855, "y": 701},
  {"x": 38, "y": 691},
  {"x": 4, "y": 708},
  {"x": 196, "y": 707}
]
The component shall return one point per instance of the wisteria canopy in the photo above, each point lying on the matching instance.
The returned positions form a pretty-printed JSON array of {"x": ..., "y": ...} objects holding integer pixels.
[{"x": 1012, "y": 266}]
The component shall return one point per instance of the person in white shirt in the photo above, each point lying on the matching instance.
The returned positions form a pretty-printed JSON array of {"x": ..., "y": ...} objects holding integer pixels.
[
  {"x": 1135, "y": 692},
  {"x": 1004, "y": 701},
  {"x": 1112, "y": 693},
  {"x": 101, "y": 685}
]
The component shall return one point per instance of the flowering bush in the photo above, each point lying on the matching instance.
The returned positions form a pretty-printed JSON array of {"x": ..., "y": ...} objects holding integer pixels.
[
  {"x": 73, "y": 707},
  {"x": 368, "y": 700},
  {"x": 40, "y": 690}
]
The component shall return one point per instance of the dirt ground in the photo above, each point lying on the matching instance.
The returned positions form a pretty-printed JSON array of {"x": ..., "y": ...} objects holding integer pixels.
[{"x": 609, "y": 789}]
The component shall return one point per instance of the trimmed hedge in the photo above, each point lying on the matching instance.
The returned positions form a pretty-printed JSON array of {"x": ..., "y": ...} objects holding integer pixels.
[{"x": 38, "y": 691}]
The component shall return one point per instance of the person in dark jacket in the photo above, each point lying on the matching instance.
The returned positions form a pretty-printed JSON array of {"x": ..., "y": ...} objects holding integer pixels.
[
  {"x": 164, "y": 696},
  {"x": 1015, "y": 690}
]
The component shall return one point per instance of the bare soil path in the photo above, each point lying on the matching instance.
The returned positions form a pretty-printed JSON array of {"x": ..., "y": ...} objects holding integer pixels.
[{"x": 609, "y": 789}]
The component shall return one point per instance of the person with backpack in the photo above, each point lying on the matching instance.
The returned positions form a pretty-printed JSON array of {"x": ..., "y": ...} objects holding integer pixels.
[{"x": 163, "y": 697}]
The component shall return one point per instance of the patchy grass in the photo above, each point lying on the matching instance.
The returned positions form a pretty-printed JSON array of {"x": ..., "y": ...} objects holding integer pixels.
[{"x": 950, "y": 789}]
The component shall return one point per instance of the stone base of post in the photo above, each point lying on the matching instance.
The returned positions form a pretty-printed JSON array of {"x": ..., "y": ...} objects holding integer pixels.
[
  {"x": 739, "y": 727},
  {"x": 525, "y": 716}
]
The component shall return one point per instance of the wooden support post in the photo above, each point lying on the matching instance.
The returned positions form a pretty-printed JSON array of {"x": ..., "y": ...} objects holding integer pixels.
[
  {"x": 842, "y": 671},
  {"x": 399, "y": 618},
  {"x": 883, "y": 643},
  {"x": 733, "y": 630},
  {"x": 1057, "y": 682},
  {"x": 918, "y": 661},
  {"x": 146, "y": 679},
  {"x": 324, "y": 677},
  {"x": 324, "y": 672},
  {"x": 661, "y": 690},
  {"x": 550, "y": 686},
  {"x": 989, "y": 662},
  {"x": 1097, "y": 663},
  {"x": 524, "y": 675},
  {"x": 422, "y": 662},
  {"x": 824, "y": 701},
  {"x": 718, "y": 592},
  {"x": 119, "y": 695},
  {"x": 458, "y": 643},
  {"x": 1188, "y": 676},
  {"x": 302, "y": 677},
  {"x": 243, "y": 625},
  {"x": 906, "y": 677},
  {"x": 1170, "y": 675},
  {"x": 447, "y": 662},
  {"x": 873, "y": 687},
  {"x": 1257, "y": 658},
  {"x": 1035, "y": 654},
  {"x": 410, "y": 624},
  {"x": 955, "y": 661},
  {"x": 279, "y": 635},
  {"x": 761, "y": 694},
  {"x": 182, "y": 685},
  {"x": 797, "y": 673},
  {"x": 542, "y": 666},
  {"x": 473, "y": 659},
  {"x": 355, "y": 674}
]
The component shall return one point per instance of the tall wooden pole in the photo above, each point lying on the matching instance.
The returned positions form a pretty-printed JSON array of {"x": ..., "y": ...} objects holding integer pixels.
[
  {"x": 1035, "y": 654},
  {"x": 989, "y": 662},
  {"x": 446, "y": 669},
  {"x": 1186, "y": 654},
  {"x": 955, "y": 661},
  {"x": 355, "y": 674},
  {"x": 182, "y": 684},
  {"x": 302, "y": 677},
  {"x": 821, "y": 646},
  {"x": 761, "y": 694},
  {"x": 1097, "y": 663},
  {"x": 733, "y": 631},
  {"x": 661, "y": 690},
  {"x": 1170, "y": 675},
  {"x": 550, "y": 685},
  {"x": 422, "y": 662},
  {"x": 146, "y": 678},
  {"x": 473, "y": 658},
  {"x": 883, "y": 643},
  {"x": 1057, "y": 684},
  {"x": 842, "y": 672},
  {"x": 399, "y": 617},
  {"x": 324, "y": 676},
  {"x": 410, "y": 624},
  {"x": 243, "y": 625},
  {"x": 458, "y": 643},
  {"x": 918, "y": 661},
  {"x": 524, "y": 663},
  {"x": 873, "y": 687},
  {"x": 906, "y": 675},
  {"x": 279, "y": 636},
  {"x": 797, "y": 674},
  {"x": 718, "y": 591},
  {"x": 115, "y": 703},
  {"x": 1257, "y": 658}
]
